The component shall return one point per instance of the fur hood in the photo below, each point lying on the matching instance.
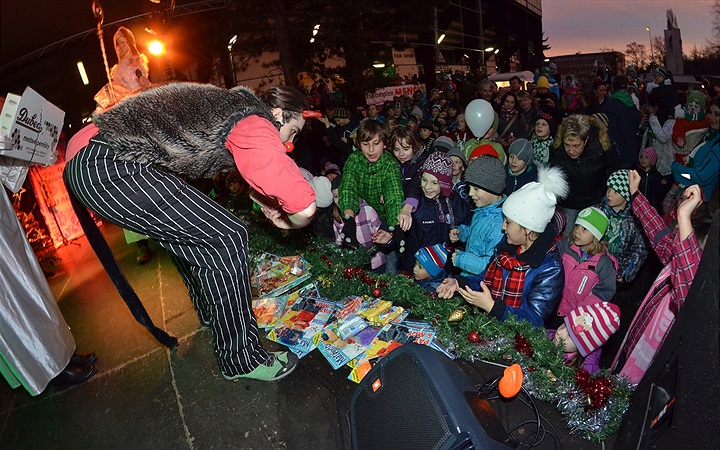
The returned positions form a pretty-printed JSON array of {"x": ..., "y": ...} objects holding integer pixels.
[{"x": 181, "y": 127}]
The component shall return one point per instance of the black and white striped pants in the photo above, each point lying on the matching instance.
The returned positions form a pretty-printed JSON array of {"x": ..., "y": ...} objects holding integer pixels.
[{"x": 209, "y": 245}]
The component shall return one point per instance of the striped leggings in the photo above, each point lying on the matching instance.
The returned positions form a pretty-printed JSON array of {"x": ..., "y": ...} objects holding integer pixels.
[{"x": 208, "y": 245}]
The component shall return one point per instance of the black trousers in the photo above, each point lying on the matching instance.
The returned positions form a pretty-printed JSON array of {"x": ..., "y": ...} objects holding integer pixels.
[{"x": 208, "y": 244}]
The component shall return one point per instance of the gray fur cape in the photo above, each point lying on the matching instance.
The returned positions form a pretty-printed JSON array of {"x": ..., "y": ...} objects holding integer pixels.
[{"x": 181, "y": 127}]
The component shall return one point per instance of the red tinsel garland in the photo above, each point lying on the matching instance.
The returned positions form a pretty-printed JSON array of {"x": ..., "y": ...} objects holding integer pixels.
[{"x": 598, "y": 389}]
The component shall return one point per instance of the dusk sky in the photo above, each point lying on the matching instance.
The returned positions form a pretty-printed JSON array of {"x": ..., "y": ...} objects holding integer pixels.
[{"x": 585, "y": 26}]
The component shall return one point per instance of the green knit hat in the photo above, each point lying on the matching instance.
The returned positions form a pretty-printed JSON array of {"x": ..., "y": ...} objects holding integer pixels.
[
  {"x": 699, "y": 98},
  {"x": 594, "y": 220},
  {"x": 620, "y": 182}
]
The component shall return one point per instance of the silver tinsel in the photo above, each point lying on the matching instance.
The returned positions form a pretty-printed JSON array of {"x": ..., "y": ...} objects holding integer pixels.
[{"x": 571, "y": 403}]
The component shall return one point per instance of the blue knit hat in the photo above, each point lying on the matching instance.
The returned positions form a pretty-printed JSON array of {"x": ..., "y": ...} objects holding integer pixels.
[{"x": 432, "y": 258}]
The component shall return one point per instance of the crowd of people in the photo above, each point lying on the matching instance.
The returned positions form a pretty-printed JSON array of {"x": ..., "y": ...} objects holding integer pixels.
[
  {"x": 544, "y": 216},
  {"x": 538, "y": 201}
]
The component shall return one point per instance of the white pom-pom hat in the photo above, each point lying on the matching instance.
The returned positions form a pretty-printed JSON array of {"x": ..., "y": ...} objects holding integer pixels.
[{"x": 533, "y": 205}]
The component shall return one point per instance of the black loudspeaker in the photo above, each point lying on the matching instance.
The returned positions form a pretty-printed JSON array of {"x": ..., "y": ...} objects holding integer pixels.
[
  {"x": 676, "y": 405},
  {"x": 417, "y": 398}
]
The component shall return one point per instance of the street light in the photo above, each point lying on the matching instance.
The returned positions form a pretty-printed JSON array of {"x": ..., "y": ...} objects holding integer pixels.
[
  {"x": 156, "y": 47},
  {"x": 652, "y": 54},
  {"x": 83, "y": 73}
]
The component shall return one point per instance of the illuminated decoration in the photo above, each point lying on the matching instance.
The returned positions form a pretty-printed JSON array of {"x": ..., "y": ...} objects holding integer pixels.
[
  {"x": 128, "y": 75},
  {"x": 54, "y": 202}
]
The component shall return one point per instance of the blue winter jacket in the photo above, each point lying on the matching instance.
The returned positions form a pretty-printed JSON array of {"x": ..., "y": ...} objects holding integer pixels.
[
  {"x": 481, "y": 237},
  {"x": 704, "y": 168},
  {"x": 544, "y": 281}
]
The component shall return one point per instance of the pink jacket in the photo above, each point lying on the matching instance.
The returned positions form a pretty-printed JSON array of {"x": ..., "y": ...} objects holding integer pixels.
[{"x": 586, "y": 281}]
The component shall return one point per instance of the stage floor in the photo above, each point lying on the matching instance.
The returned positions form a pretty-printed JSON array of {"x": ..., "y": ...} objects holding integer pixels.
[{"x": 145, "y": 396}]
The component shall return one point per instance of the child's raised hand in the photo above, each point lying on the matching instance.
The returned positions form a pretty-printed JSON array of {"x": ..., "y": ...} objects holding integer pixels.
[
  {"x": 692, "y": 197},
  {"x": 454, "y": 235},
  {"x": 482, "y": 298},
  {"x": 447, "y": 288},
  {"x": 634, "y": 179}
]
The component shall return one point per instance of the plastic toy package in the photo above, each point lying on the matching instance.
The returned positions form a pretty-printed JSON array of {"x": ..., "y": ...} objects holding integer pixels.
[{"x": 273, "y": 275}]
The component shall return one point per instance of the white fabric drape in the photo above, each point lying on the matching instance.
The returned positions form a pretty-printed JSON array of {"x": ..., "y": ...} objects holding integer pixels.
[{"x": 35, "y": 341}]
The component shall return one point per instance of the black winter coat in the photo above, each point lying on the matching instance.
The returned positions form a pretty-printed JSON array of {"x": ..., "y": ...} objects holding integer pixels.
[
  {"x": 427, "y": 229},
  {"x": 587, "y": 175},
  {"x": 623, "y": 122}
]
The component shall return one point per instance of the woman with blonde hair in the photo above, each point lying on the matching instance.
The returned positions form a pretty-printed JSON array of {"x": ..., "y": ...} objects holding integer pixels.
[{"x": 583, "y": 150}]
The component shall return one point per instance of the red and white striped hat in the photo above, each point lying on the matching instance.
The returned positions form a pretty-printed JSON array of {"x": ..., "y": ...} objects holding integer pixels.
[{"x": 590, "y": 326}]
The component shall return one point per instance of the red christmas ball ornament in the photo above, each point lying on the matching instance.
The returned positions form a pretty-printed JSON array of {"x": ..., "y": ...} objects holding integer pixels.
[
  {"x": 523, "y": 345},
  {"x": 383, "y": 283},
  {"x": 474, "y": 337},
  {"x": 348, "y": 273},
  {"x": 376, "y": 292}
]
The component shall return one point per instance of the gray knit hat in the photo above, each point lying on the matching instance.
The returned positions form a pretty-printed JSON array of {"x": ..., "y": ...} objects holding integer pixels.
[
  {"x": 442, "y": 144},
  {"x": 486, "y": 173},
  {"x": 459, "y": 153},
  {"x": 522, "y": 148}
]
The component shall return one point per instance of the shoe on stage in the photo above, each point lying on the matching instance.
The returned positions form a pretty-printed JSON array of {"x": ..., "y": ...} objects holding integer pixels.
[
  {"x": 83, "y": 360},
  {"x": 277, "y": 366},
  {"x": 73, "y": 376}
]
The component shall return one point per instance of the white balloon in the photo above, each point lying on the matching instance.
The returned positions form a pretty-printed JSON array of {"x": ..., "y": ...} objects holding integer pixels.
[{"x": 479, "y": 116}]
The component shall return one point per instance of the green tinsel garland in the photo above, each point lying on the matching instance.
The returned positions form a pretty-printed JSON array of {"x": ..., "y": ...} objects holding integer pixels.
[{"x": 340, "y": 273}]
